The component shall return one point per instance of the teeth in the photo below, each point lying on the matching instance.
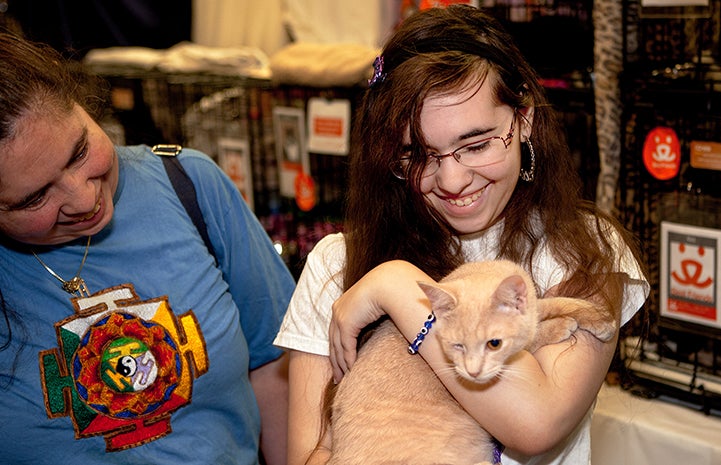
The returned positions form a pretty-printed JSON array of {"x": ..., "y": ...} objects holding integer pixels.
[
  {"x": 464, "y": 202},
  {"x": 91, "y": 214}
]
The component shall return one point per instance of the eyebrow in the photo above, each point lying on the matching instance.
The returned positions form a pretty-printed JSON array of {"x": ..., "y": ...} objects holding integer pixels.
[
  {"x": 463, "y": 137},
  {"x": 79, "y": 143},
  {"x": 475, "y": 133}
]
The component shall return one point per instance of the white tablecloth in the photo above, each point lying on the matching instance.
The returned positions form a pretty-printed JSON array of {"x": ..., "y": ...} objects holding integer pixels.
[{"x": 629, "y": 430}]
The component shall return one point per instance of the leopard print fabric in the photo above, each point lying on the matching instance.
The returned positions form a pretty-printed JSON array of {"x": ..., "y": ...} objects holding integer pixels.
[{"x": 608, "y": 63}]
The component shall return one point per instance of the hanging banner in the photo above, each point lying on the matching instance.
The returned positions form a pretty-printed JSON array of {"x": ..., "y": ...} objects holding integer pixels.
[{"x": 662, "y": 153}]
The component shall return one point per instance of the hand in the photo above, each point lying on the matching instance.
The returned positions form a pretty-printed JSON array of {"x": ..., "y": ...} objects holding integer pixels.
[
  {"x": 390, "y": 288},
  {"x": 352, "y": 312}
]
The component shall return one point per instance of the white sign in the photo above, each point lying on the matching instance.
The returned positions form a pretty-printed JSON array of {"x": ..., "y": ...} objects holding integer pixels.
[
  {"x": 234, "y": 159},
  {"x": 328, "y": 125},
  {"x": 290, "y": 149},
  {"x": 690, "y": 266}
]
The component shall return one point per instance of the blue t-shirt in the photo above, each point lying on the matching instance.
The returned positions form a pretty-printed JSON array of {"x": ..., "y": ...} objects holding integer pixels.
[{"x": 157, "y": 371}]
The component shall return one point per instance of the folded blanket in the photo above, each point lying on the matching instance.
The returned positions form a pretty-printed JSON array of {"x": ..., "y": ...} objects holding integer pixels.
[
  {"x": 323, "y": 65},
  {"x": 186, "y": 57},
  {"x": 136, "y": 57}
]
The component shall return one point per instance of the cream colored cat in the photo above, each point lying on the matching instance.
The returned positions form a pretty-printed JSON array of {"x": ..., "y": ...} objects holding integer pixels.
[{"x": 392, "y": 409}]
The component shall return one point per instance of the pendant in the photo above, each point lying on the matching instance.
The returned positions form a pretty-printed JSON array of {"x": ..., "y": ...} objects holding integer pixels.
[{"x": 76, "y": 286}]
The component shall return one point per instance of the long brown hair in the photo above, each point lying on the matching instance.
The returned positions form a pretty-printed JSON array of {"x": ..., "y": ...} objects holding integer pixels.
[{"x": 440, "y": 51}]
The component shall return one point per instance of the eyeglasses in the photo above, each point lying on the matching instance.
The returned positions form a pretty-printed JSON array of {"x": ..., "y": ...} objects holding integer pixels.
[{"x": 475, "y": 154}]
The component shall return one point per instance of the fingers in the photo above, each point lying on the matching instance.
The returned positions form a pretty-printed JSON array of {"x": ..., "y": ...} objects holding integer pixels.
[
  {"x": 342, "y": 351},
  {"x": 349, "y": 345},
  {"x": 336, "y": 357}
]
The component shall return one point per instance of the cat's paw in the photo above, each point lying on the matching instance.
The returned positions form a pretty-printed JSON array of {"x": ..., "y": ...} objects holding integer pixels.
[
  {"x": 553, "y": 331},
  {"x": 603, "y": 330},
  {"x": 562, "y": 328}
]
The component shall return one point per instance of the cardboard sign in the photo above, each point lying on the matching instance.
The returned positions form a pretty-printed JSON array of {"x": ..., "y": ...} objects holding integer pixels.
[{"x": 662, "y": 153}]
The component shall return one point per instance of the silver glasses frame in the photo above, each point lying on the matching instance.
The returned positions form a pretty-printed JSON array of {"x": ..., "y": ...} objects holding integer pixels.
[{"x": 399, "y": 171}]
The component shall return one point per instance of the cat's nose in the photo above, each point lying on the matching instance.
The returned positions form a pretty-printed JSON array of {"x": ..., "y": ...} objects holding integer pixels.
[
  {"x": 473, "y": 373},
  {"x": 473, "y": 366}
]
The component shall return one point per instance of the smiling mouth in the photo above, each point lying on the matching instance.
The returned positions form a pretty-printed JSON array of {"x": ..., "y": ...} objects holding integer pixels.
[
  {"x": 96, "y": 209},
  {"x": 464, "y": 202}
]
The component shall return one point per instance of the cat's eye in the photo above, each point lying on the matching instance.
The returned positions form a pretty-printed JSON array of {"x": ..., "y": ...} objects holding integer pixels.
[
  {"x": 494, "y": 344},
  {"x": 459, "y": 347}
]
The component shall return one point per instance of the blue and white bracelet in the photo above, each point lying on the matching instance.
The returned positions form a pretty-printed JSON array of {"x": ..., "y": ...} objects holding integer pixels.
[{"x": 415, "y": 345}]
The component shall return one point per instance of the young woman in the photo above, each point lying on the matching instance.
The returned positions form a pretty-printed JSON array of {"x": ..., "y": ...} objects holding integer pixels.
[
  {"x": 122, "y": 340},
  {"x": 459, "y": 157}
]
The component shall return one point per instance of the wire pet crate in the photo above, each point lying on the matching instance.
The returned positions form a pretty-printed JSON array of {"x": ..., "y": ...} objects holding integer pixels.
[{"x": 671, "y": 79}]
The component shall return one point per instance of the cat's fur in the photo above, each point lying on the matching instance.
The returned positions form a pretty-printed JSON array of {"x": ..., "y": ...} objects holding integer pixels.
[{"x": 392, "y": 409}]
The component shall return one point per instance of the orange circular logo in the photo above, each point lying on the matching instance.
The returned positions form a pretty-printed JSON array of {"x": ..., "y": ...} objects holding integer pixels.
[
  {"x": 304, "y": 192},
  {"x": 662, "y": 153}
]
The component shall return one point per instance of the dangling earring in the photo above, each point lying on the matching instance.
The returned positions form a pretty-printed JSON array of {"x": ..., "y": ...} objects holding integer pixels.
[{"x": 528, "y": 175}]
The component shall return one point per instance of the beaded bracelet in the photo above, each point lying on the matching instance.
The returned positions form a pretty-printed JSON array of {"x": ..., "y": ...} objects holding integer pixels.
[
  {"x": 413, "y": 348},
  {"x": 497, "y": 451}
]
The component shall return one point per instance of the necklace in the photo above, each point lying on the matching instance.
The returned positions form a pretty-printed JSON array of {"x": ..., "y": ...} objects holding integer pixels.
[{"x": 76, "y": 285}]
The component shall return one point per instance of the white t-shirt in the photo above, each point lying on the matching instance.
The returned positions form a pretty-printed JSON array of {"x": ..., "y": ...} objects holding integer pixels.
[{"x": 305, "y": 326}]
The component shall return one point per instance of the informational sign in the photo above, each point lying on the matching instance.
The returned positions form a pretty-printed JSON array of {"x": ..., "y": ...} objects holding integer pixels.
[
  {"x": 290, "y": 148},
  {"x": 706, "y": 155},
  {"x": 689, "y": 289},
  {"x": 328, "y": 125},
  {"x": 234, "y": 159}
]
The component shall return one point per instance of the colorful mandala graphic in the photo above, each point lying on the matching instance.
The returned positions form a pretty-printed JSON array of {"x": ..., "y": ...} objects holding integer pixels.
[
  {"x": 126, "y": 367},
  {"x": 122, "y": 367}
]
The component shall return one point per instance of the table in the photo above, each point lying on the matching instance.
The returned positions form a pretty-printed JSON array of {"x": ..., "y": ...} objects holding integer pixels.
[{"x": 630, "y": 430}]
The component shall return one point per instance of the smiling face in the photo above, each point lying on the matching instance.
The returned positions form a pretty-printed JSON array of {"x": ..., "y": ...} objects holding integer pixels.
[
  {"x": 470, "y": 199},
  {"x": 58, "y": 175}
]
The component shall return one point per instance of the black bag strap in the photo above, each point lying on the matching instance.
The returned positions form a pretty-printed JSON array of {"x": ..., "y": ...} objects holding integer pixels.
[{"x": 184, "y": 188}]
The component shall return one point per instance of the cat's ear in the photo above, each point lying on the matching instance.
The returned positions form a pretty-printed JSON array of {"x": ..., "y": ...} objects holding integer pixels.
[
  {"x": 512, "y": 293},
  {"x": 442, "y": 301}
]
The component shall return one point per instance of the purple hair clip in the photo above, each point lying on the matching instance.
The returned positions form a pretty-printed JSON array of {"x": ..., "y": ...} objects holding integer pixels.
[{"x": 378, "y": 75}]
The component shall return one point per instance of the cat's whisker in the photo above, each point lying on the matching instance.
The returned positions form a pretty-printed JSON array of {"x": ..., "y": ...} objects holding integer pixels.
[
  {"x": 445, "y": 369},
  {"x": 516, "y": 373}
]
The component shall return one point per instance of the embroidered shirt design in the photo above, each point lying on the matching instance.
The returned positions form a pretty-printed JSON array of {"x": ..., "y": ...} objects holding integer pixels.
[{"x": 123, "y": 366}]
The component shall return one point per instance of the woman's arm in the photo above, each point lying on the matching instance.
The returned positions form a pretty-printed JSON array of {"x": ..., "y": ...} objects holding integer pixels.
[
  {"x": 270, "y": 384},
  {"x": 309, "y": 375},
  {"x": 536, "y": 404}
]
